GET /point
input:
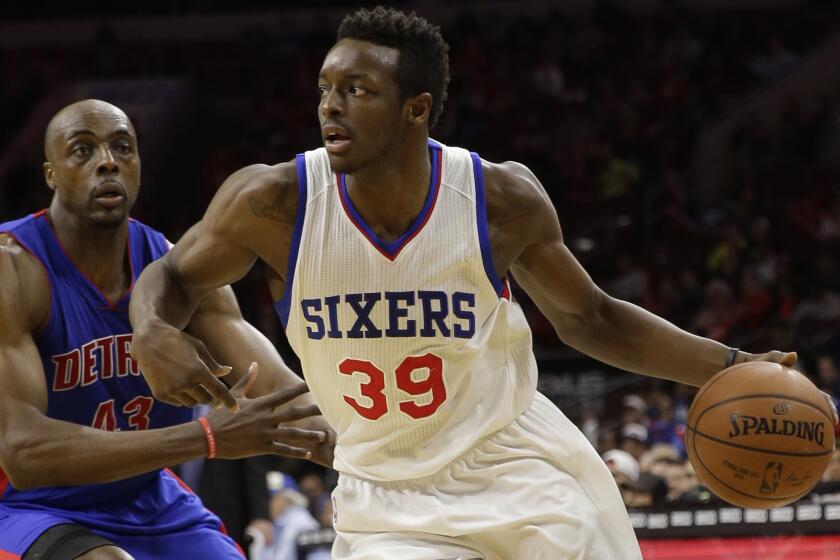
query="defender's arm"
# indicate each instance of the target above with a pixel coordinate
(36, 450)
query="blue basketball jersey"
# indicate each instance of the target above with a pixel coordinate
(90, 375)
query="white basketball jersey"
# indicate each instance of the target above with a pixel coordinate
(412, 349)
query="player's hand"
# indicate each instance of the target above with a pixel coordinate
(324, 454)
(179, 369)
(262, 425)
(786, 359)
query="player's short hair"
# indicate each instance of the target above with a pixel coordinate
(424, 55)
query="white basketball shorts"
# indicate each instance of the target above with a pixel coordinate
(535, 490)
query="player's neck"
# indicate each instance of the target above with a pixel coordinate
(390, 193)
(99, 253)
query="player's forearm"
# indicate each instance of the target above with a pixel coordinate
(58, 453)
(237, 343)
(275, 376)
(158, 296)
(628, 337)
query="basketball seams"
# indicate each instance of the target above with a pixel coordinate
(768, 396)
(718, 448)
(760, 450)
(708, 385)
(774, 502)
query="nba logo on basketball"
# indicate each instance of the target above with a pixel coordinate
(771, 478)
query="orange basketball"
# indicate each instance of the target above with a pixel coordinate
(759, 434)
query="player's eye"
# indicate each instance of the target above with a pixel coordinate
(81, 150)
(322, 90)
(356, 90)
(124, 148)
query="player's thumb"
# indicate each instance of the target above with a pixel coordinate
(789, 359)
(246, 382)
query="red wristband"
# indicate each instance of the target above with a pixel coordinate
(209, 436)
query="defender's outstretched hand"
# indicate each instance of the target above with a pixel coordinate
(261, 425)
(179, 369)
(786, 359)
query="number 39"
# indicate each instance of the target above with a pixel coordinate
(374, 387)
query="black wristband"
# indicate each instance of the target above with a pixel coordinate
(730, 357)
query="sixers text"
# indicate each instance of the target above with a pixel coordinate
(425, 313)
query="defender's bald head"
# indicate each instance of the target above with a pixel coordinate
(74, 118)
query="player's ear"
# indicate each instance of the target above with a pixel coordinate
(49, 175)
(418, 108)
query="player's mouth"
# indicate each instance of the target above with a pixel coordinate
(109, 194)
(336, 139)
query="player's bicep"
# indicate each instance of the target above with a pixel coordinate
(23, 390)
(22, 379)
(551, 275)
(204, 259)
(223, 246)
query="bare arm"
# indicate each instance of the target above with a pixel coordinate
(215, 252)
(38, 451)
(252, 216)
(218, 323)
(611, 330)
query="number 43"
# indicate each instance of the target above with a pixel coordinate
(374, 387)
(137, 410)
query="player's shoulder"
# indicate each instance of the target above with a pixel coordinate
(510, 179)
(24, 286)
(262, 191)
(513, 192)
(262, 182)
(258, 177)
(15, 257)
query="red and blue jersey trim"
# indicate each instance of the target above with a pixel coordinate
(4, 483)
(284, 304)
(392, 250)
(501, 286)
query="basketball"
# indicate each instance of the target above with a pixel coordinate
(759, 434)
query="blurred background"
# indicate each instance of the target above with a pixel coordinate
(692, 149)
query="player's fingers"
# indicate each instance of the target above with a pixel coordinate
(215, 367)
(299, 434)
(217, 390)
(788, 359)
(246, 381)
(292, 413)
(186, 399)
(281, 397)
(198, 394)
(173, 399)
(289, 451)
(212, 400)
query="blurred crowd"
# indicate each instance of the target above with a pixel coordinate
(606, 112)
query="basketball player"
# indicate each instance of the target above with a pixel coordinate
(388, 255)
(66, 273)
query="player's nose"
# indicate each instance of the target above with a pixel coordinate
(107, 163)
(331, 104)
